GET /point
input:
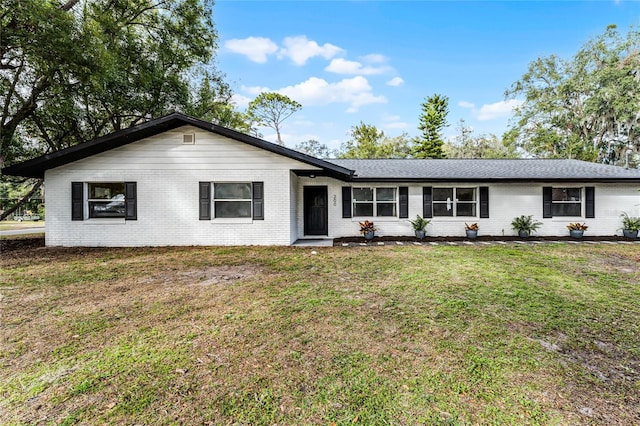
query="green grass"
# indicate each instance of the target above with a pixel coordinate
(545, 334)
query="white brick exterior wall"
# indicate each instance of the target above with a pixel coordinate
(506, 201)
(167, 173)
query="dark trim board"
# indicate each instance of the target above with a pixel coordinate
(356, 179)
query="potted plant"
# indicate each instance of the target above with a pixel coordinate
(419, 224)
(630, 226)
(576, 230)
(367, 229)
(525, 225)
(471, 230)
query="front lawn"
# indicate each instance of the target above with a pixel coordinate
(544, 334)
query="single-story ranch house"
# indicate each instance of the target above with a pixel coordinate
(177, 180)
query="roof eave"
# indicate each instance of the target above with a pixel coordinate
(356, 178)
(36, 167)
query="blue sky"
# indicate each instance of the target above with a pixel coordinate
(376, 62)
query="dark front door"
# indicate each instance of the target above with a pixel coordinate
(316, 210)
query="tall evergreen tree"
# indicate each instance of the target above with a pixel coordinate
(432, 121)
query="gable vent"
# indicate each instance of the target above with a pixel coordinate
(189, 139)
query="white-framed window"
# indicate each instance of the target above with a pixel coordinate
(375, 202)
(232, 200)
(106, 199)
(455, 202)
(566, 201)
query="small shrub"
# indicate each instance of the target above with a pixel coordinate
(471, 227)
(366, 227)
(419, 223)
(577, 227)
(630, 223)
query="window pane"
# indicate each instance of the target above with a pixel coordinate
(363, 194)
(440, 209)
(106, 191)
(466, 209)
(441, 194)
(466, 194)
(232, 191)
(385, 194)
(363, 209)
(565, 194)
(566, 209)
(224, 209)
(386, 209)
(106, 208)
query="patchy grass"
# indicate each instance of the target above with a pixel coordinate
(391, 335)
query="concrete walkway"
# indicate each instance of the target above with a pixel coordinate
(329, 243)
(23, 231)
(485, 243)
(314, 243)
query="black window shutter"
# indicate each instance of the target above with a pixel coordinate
(484, 201)
(130, 201)
(590, 199)
(404, 201)
(546, 202)
(426, 201)
(77, 201)
(258, 200)
(346, 201)
(205, 200)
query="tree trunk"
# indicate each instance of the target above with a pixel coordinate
(66, 7)
(23, 200)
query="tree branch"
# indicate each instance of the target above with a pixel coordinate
(68, 5)
(21, 201)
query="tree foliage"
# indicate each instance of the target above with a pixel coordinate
(366, 141)
(271, 109)
(433, 120)
(314, 148)
(586, 107)
(76, 71)
(468, 145)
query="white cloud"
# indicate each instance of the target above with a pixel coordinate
(492, 111)
(343, 66)
(396, 125)
(255, 48)
(355, 92)
(240, 100)
(393, 122)
(497, 110)
(254, 90)
(374, 58)
(316, 91)
(300, 49)
(395, 82)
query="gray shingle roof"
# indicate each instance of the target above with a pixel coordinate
(486, 170)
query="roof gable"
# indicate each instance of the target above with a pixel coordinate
(36, 167)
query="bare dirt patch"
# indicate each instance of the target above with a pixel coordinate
(224, 274)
